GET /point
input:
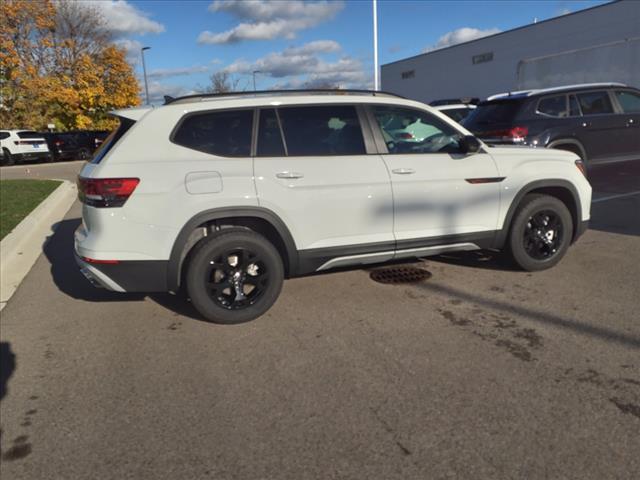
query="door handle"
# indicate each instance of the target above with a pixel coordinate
(403, 171)
(289, 175)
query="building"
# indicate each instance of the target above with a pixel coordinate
(599, 44)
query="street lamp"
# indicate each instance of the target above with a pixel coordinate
(144, 70)
(254, 78)
(376, 73)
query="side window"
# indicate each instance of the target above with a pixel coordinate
(4, 135)
(574, 108)
(414, 131)
(553, 106)
(322, 130)
(629, 101)
(594, 103)
(223, 133)
(269, 135)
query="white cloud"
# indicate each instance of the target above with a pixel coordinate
(176, 72)
(123, 18)
(461, 35)
(158, 90)
(131, 48)
(564, 11)
(266, 20)
(302, 66)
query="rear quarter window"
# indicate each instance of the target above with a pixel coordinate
(222, 133)
(555, 106)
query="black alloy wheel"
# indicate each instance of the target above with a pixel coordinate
(234, 275)
(540, 233)
(236, 278)
(543, 235)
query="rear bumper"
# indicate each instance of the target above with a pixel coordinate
(32, 156)
(121, 275)
(126, 276)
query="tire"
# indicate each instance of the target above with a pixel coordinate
(7, 158)
(534, 245)
(211, 274)
(84, 154)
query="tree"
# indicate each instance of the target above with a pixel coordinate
(58, 65)
(222, 82)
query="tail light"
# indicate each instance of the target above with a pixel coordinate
(106, 192)
(514, 134)
(581, 167)
(58, 143)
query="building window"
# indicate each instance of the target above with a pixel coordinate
(482, 58)
(408, 74)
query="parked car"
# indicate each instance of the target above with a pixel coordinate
(21, 146)
(226, 195)
(457, 111)
(599, 122)
(74, 145)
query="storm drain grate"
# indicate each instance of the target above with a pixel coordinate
(400, 275)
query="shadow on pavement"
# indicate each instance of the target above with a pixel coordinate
(537, 316)
(67, 277)
(483, 259)
(7, 366)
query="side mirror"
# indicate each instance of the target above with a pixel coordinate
(470, 144)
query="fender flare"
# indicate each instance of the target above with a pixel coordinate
(176, 258)
(570, 141)
(501, 235)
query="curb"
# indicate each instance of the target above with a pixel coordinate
(20, 249)
(30, 165)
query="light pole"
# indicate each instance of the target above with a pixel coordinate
(254, 78)
(144, 70)
(376, 79)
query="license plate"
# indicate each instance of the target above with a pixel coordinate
(35, 145)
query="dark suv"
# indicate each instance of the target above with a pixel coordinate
(599, 122)
(78, 145)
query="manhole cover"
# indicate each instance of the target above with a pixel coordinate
(400, 275)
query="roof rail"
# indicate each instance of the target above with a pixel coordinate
(529, 93)
(204, 96)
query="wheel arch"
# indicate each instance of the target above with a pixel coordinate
(561, 189)
(569, 141)
(258, 219)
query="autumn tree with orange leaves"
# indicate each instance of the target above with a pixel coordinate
(58, 64)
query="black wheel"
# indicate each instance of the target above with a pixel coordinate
(84, 154)
(541, 232)
(234, 276)
(7, 158)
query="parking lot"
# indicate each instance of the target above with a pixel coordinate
(480, 371)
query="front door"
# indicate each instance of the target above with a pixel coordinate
(441, 196)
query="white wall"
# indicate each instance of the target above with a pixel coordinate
(450, 72)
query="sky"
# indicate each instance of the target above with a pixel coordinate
(298, 44)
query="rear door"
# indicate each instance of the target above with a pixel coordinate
(318, 170)
(601, 130)
(629, 106)
(441, 196)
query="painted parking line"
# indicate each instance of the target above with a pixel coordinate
(614, 197)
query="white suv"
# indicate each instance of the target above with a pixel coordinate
(228, 194)
(22, 145)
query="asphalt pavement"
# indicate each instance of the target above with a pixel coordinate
(480, 371)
